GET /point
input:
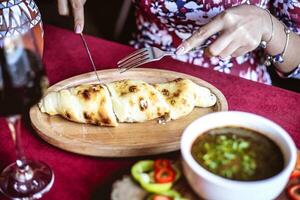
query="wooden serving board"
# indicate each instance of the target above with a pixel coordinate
(128, 139)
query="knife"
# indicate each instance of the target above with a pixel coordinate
(90, 56)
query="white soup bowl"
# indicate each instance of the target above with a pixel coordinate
(211, 186)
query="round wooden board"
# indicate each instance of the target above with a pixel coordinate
(128, 139)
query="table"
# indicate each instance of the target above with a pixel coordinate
(83, 177)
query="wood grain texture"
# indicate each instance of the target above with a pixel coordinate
(128, 139)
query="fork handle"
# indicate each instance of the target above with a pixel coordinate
(200, 47)
(169, 53)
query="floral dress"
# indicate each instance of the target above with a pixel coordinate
(165, 23)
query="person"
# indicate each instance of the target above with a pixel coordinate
(66, 7)
(243, 36)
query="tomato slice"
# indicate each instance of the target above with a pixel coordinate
(161, 197)
(161, 163)
(295, 174)
(164, 175)
(294, 192)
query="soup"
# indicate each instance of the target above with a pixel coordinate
(238, 153)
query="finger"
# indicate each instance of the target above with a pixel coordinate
(200, 36)
(240, 51)
(78, 12)
(220, 44)
(228, 51)
(63, 7)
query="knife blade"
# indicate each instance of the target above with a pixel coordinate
(90, 56)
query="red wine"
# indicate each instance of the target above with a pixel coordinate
(22, 80)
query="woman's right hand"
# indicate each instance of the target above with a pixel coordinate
(241, 29)
(77, 11)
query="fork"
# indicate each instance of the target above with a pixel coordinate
(143, 56)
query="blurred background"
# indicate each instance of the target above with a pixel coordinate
(114, 20)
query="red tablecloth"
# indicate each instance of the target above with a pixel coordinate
(83, 177)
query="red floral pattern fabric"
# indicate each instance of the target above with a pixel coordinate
(165, 23)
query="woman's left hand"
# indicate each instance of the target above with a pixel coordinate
(241, 28)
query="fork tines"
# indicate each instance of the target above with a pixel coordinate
(134, 59)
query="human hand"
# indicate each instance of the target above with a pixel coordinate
(241, 28)
(77, 11)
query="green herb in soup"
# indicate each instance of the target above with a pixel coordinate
(238, 153)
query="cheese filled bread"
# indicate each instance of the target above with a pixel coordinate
(127, 101)
(182, 95)
(84, 104)
(136, 101)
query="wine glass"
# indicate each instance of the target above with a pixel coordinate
(22, 82)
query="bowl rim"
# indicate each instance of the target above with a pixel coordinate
(204, 173)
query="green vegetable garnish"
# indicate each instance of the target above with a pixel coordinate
(227, 155)
(237, 153)
(142, 172)
(229, 150)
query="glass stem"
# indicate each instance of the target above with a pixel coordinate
(14, 123)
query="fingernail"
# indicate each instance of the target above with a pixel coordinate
(78, 29)
(180, 50)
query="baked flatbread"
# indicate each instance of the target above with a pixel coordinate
(127, 101)
(136, 101)
(183, 95)
(85, 103)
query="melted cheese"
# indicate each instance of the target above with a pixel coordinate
(136, 101)
(183, 95)
(84, 103)
(127, 101)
